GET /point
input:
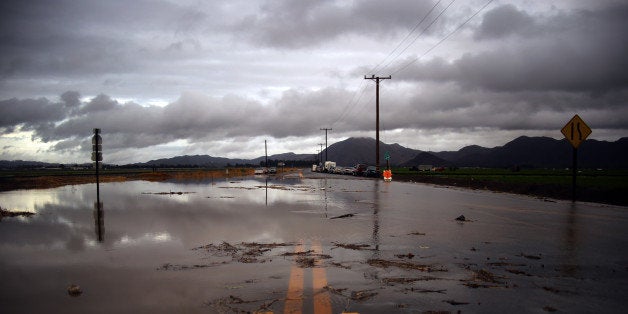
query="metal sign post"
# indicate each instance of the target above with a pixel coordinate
(97, 152)
(575, 131)
(98, 206)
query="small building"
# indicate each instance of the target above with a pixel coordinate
(425, 167)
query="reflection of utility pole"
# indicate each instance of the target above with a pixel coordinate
(326, 129)
(376, 79)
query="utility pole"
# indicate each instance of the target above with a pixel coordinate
(321, 144)
(376, 79)
(326, 129)
(265, 154)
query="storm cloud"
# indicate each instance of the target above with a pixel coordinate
(163, 78)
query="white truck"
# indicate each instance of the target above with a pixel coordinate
(329, 166)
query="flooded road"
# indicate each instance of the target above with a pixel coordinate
(323, 244)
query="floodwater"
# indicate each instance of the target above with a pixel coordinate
(323, 244)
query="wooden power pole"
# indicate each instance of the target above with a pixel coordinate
(326, 129)
(377, 79)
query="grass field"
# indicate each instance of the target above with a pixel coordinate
(605, 186)
(585, 178)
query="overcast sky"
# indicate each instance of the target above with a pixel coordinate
(166, 78)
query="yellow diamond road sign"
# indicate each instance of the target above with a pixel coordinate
(576, 131)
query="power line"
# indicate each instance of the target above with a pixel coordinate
(373, 70)
(423, 32)
(403, 67)
(351, 103)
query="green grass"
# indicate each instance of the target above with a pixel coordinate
(604, 179)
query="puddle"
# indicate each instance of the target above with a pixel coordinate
(268, 245)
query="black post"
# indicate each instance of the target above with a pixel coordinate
(574, 174)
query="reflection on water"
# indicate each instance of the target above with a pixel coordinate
(570, 265)
(99, 221)
(149, 224)
(376, 206)
(136, 211)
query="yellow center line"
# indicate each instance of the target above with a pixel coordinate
(294, 298)
(322, 303)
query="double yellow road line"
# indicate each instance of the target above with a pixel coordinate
(295, 295)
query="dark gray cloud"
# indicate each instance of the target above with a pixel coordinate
(503, 21)
(162, 78)
(580, 52)
(29, 112)
(300, 24)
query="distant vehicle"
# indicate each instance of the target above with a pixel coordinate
(371, 171)
(359, 169)
(272, 170)
(338, 170)
(329, 166)
(259, 171)
(348, 170)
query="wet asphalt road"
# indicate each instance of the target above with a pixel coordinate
(317, 243)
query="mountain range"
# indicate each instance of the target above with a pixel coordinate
(525, 152)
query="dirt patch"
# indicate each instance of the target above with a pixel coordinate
(530, 256)
(168, 266)
(234, 304)
(360, 295)
(7, 213)
(484, 279)
(357, 247)
(343, 216)
(407, 280)
(245, 252)
(405, 265)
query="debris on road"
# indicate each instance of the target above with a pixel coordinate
(408, 256)
(168, 193)
(357, 247)
(452, 302)
(354, 295)
(484, 279)
(228, 304)
(461, 218)
(343, 216)
(406, 280)
(529, 256)
(404, 265)
(7, 213)
(74, 290)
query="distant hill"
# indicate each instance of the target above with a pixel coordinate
(16, 164)
(285, 156)
(219, 162)
(194, 160)
(427, 159)
(525, 152)
(356, 150)
(541, 152)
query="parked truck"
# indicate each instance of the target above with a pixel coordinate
(329, 166)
